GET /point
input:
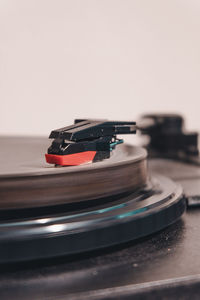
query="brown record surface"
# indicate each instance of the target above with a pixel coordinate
(26, 180)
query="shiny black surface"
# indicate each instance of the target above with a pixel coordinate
(128, 218)
(172, 253)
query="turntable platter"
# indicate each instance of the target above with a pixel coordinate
(50, 211)
(27, 181)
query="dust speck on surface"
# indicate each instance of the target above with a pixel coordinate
(135, 265)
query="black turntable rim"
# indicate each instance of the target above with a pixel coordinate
(55, 236)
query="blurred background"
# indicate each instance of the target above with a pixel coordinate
(115, 59)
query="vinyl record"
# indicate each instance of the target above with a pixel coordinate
(48, 212)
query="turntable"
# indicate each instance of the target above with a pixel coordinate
(98, 219)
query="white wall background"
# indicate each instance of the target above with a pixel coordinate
(61, 59)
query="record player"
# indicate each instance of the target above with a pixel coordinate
(101, 219)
